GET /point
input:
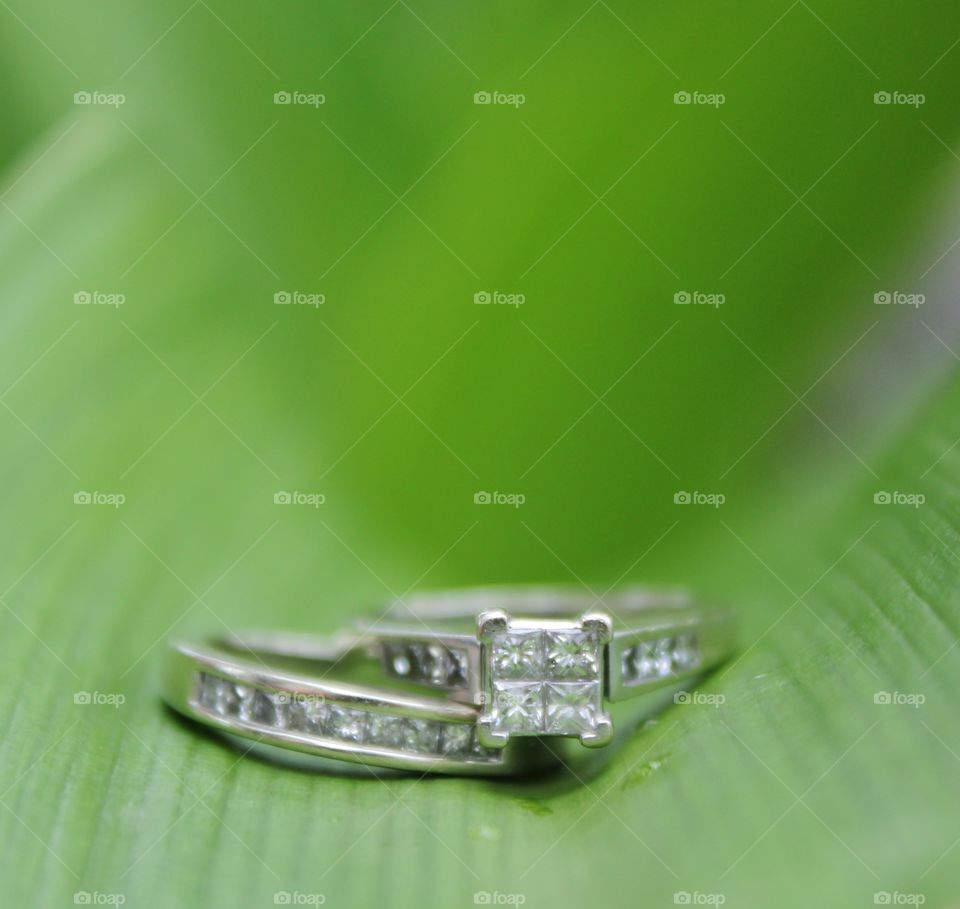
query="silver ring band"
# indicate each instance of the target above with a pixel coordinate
(242, 696)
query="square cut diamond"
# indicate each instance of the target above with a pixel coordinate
(345, 723)
(517, 655)
(385, 731)
(457, 740)
(571, 655)
(544, 681)
(518, 706)
(572, 706)
(421, 736)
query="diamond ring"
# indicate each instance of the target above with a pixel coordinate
(543, 661)
(531, 663)
(228, 686)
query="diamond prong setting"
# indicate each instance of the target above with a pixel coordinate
(600, 623)
(491, 622)
(488, 736)
(543, 678)
(600, 735)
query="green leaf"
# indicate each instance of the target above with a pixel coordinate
(398, 199)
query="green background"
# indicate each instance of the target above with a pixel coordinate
(398, 399)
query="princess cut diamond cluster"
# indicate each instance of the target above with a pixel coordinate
(543, 680)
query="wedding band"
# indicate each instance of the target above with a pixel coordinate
(224, 685)
(542, 661)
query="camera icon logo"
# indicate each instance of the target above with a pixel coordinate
(682, 98)
(482, 98)
(681, 498)
(881, 498)
(482, 297)
(81, 697)
(681, 297)
(82, 498)
(882, 98)
(282, 97)
(481, 498)
(82, 98)
(282, 498)
(82, 298)
(882, 298)
(282, 298)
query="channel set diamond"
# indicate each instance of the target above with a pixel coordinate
(429, 664)
(659, 659)
(312, 715)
